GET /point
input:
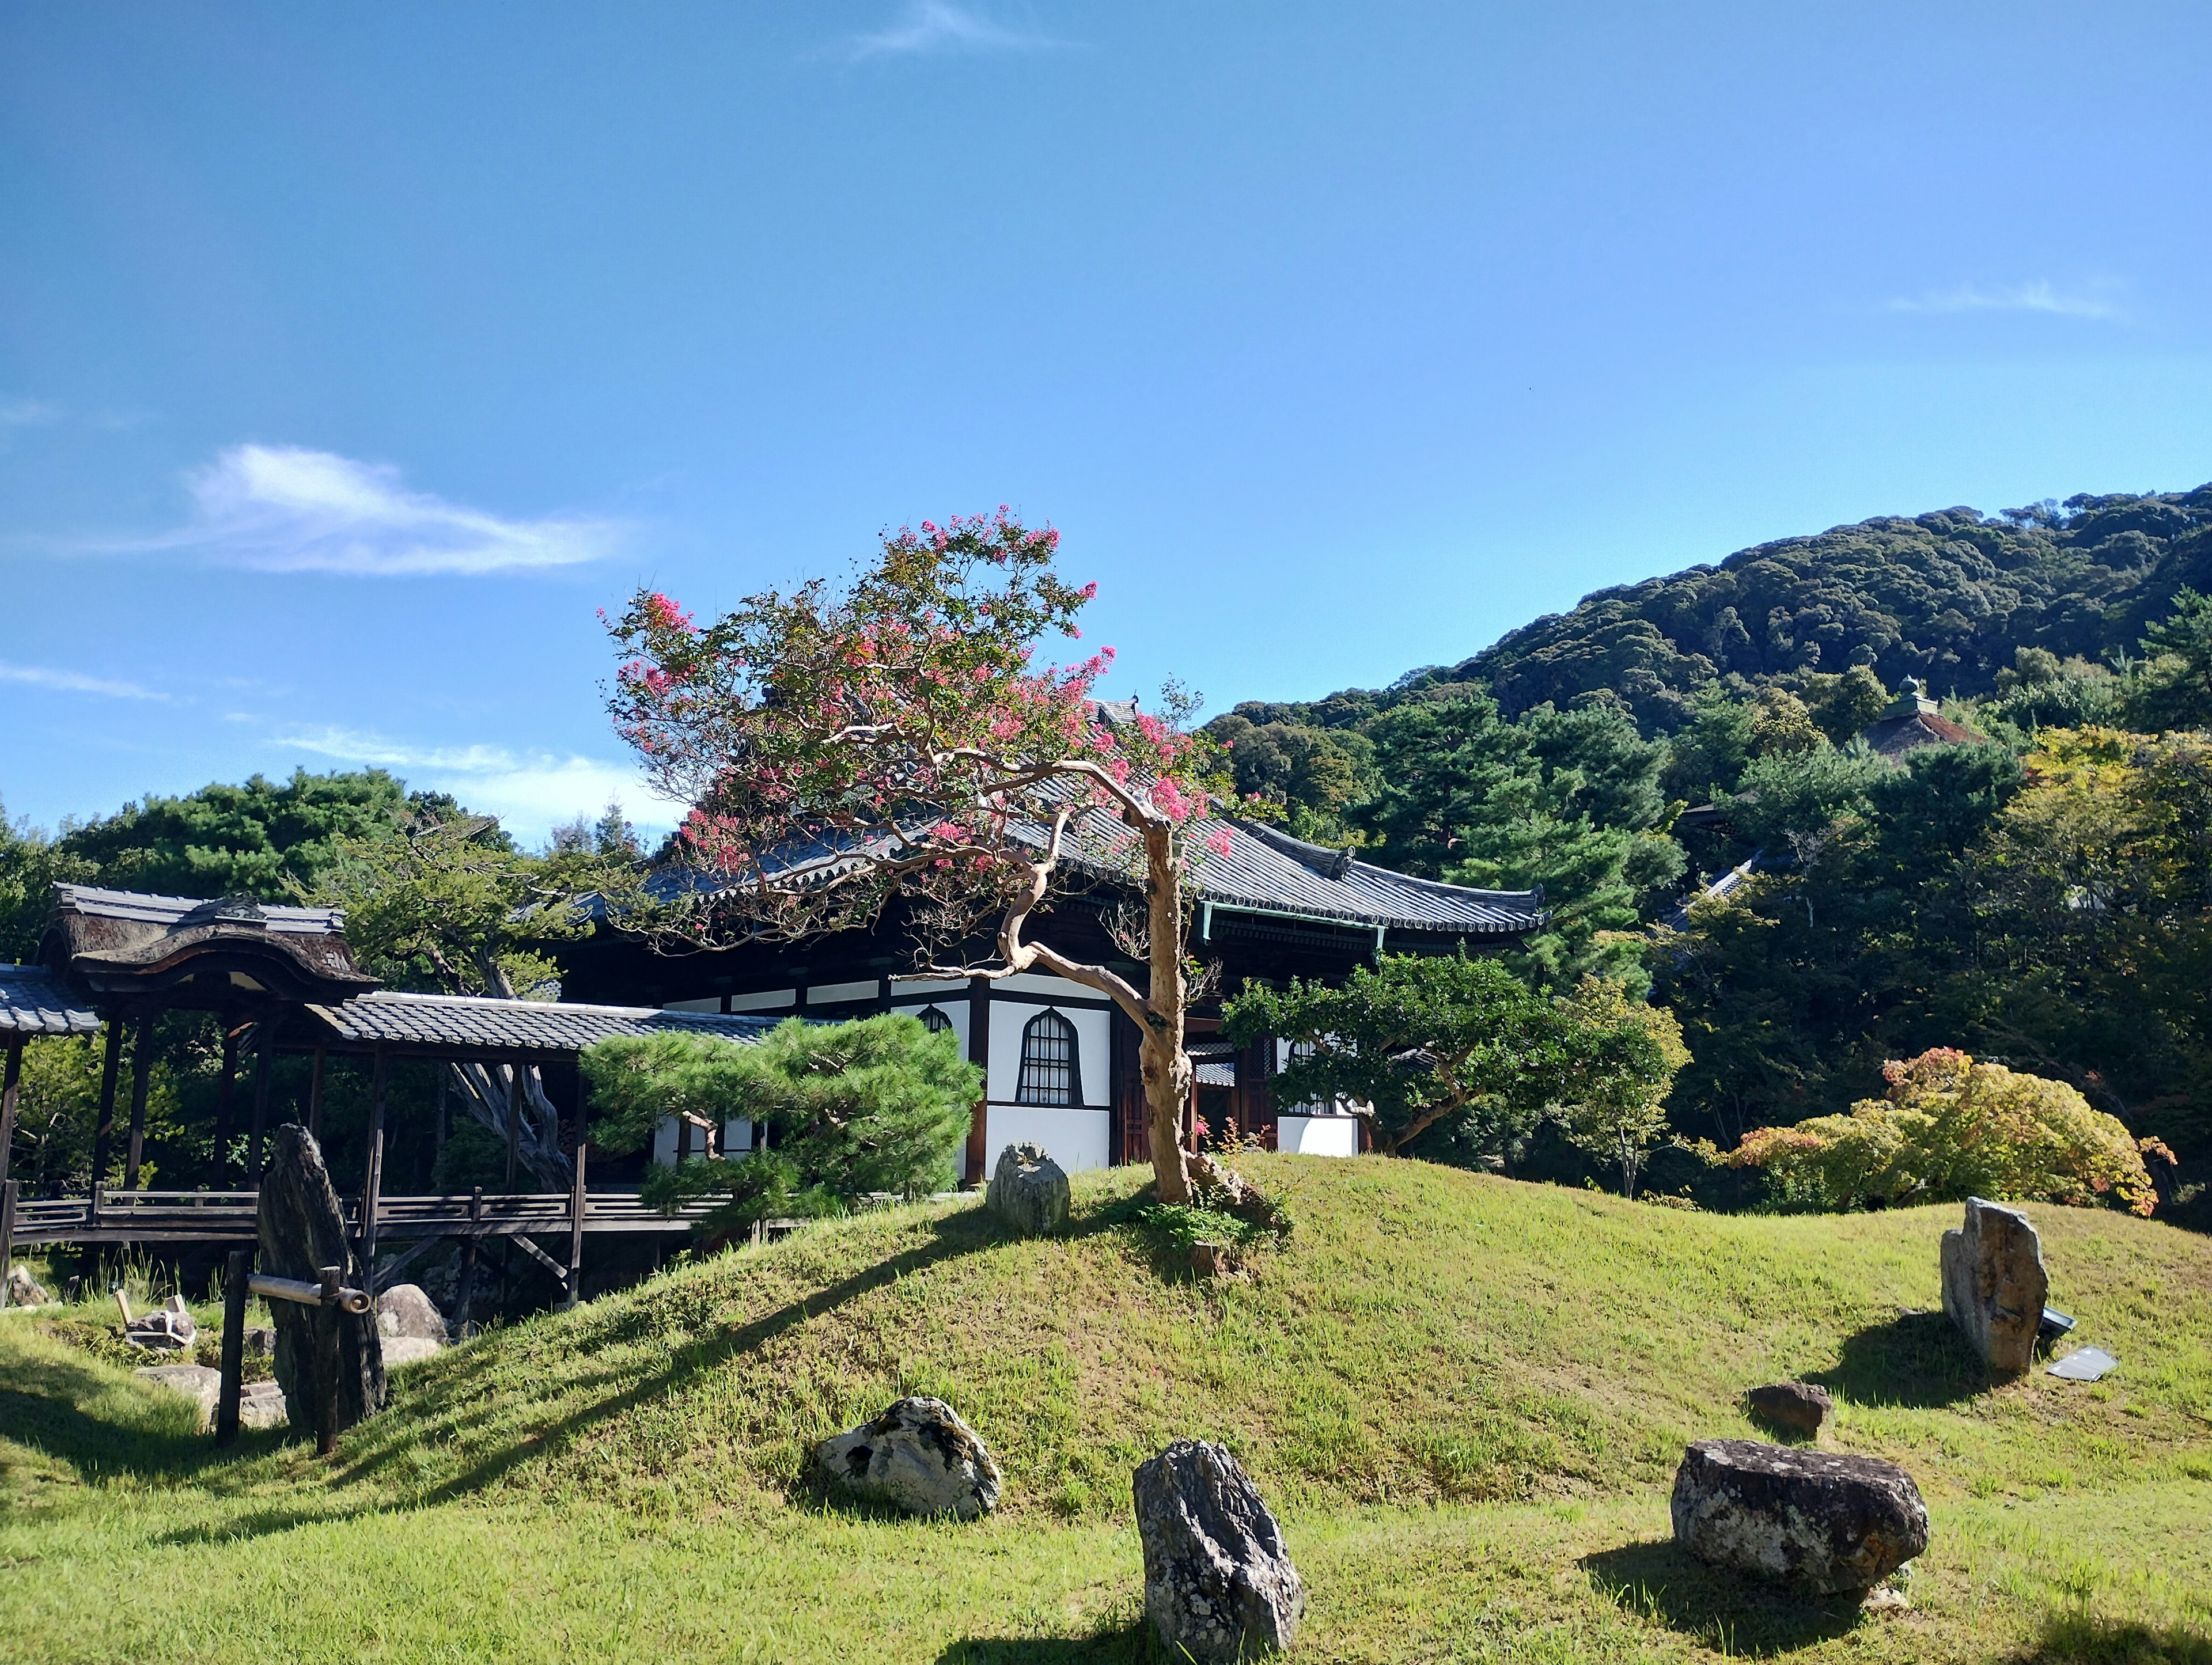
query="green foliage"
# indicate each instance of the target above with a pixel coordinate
(31, 865)
(880, 1104)
(2175, 687)
(261, 838)
(1952, 1128)
(1622, 1058)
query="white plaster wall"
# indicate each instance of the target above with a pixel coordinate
(768, 999)
(953, 1006)
(1076, 1139)
(664, 1141)
(1318, 1135)
(713, 1003)
(843, 993)
(1093, 1037)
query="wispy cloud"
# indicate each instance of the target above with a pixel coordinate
(283, 509)
(2034, 297)
(75, 682)
(29, 413)
(938, 25)
(531, 792)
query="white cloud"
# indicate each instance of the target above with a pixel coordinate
(75, 682)
(29, 413)
(2034, 297)
(283, 509)
(938, 25)
(531, 792)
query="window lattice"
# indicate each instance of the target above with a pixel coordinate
(1050, 1073)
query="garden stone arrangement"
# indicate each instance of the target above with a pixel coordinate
(330, 1363)
(1802, 1407)
(1995, 1284)
(408, 1324)
(1827, 1525)
(918, 1456)
(1028, 1190)
(1219, 1581)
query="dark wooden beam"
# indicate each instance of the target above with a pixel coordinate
(219, 1169)
(372, 1190)
(103, 1131)
(262, 1051)
(11, 1086)
(142, 1080)
(315, 1097)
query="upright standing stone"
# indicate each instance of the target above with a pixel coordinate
(1029, 1191)
(330, 1363)
(1219, 1581)
(1994, 1284)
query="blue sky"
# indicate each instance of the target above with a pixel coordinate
(352, 357)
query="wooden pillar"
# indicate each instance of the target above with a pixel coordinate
(264, 1048)
(11, 1086)
(238, 1269)
(578, 1201)
(371, 1193)
(103, 1130)
(6, 1227)
(514, 1122)
(315, 1098)
(978, 1054)
(442, 1129)
(219, 1170)
(469, 1250)
(142, 1081)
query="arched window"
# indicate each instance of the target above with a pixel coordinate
(1050, 1071)
(934, 1020)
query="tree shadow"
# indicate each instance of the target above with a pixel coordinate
(1730, 1613)
(1129, 1644)
(1918, 1360)
(2073, 1638)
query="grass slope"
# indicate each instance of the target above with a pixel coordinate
(1467, 1395)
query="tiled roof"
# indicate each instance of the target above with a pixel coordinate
(1893, 737)
(33, 1002)
(143, 908)
(1257, 869)
(530, 1026)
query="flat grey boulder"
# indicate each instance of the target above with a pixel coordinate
(261, 1405)
(919, 1456)
(1832, 1525)
(408, 1350)
(1219, 1581)
(197, 1382)
(1995, 1284)
(1029, 1191)
(404, 1310)
(1802, 1406)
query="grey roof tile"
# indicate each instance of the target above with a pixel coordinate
(33, 1002)
(530, 1026)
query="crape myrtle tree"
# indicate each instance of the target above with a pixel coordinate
(841, 748)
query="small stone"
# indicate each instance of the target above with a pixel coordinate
(1028, 1190)
(1219, 1581)
(404, 1309)
(24, 1290)
(1995, 1284)
(919, 1456)
(168, 1328)
(1801, 1405)
(1832, 1525)
(197, 1382)
(260, 1341)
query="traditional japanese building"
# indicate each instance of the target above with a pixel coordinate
(1060, 1059)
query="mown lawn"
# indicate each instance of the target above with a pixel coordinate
(1466, 1397)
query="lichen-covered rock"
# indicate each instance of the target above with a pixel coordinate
(1803, 1407)
(1028, 1190)
(919, 1456)
(197, 1382)
(1995, 1284)
(24, 1290)
(404, 1309)
(1832, 1525)
(1219, 1581)
(330, 1363)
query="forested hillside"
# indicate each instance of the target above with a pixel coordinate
(1948, 598)
(2038, 895)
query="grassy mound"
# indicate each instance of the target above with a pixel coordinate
(1467, 1395)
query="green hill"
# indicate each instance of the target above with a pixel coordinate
(1948, 598)
(1467, 1395)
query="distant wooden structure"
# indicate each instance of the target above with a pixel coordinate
(283, 980)
(32, 1005)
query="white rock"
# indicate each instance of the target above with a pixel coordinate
(408, 1350)
(404, 1310)
(197, 1382)
(919, 1456)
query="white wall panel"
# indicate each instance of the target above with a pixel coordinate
(1093, 1036)
(1318, 1135)
(1076, 1139)
(768, 1000)
(843, 993)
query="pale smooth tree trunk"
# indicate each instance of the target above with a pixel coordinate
(1162, 1061)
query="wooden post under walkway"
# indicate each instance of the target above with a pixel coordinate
(142, 1080)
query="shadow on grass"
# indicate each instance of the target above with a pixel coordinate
(1728, 1611)
(387, 1439)
(1918, 1360)
(2079, 1639)
(1121, 1644)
